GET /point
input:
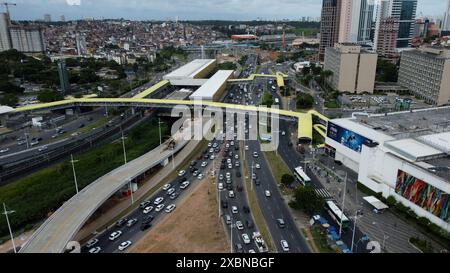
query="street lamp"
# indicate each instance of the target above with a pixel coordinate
(131, 191)
(384, 235)
(343, 205)
(160, 137)
(123, 145)
(231, 236)
(9, 226)
(354, 229)
(74, 173)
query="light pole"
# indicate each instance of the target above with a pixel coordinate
(9, 226)
(384, 235)
(131, 191)
(160, 137)
(354, 229)
(343, 205)
(74, 173)
(231, 236)
(123, 145)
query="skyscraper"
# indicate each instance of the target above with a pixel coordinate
(362, 17)
(63, 77)
(446, 22)
(47, 18)
(405, 12)
(329, 25)
(5, 38)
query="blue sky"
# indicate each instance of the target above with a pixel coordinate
(184, 9)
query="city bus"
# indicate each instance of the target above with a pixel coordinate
(336, 213)
(302, 177)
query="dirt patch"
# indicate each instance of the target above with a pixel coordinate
(193, 227)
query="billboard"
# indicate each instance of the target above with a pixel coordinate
(346, 137)
(423, 195)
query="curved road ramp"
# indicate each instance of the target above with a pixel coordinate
(55, 233)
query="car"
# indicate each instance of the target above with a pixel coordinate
(284, 245)
(116, 234)
(95, 250)
(211, 150)
(221, 177)
(251, 251)
(257, 166)
(283, 133)
(229, 161)
(132, 222)
(236, 156)
(158, 200)
(246, 209)
(20, 143)
(166, 187)
(246, 147)
(147, 209)
(182, 173)
(200, 176)
(159, 207)
(232, 143)
(249, 224)
(170, 191)
(92, 243)
(257, 182)
(254, 176)
(234, 210)
(170, 208)
(228, 219)
(173, 196)
(204, 164)
(212, 157)
(124, 245)
(4, 150)
(228, 175)
(196, 173)
(224, 204)
(229, 181)
(210, 145)
(230, 166)
(206, 156)
(193, 163)
(281, 223)
(220, 186)
(246, 238)
(237, 164)
(239, 225)
(231, 194)
(145, 226)
(267, 193)
(148, 219)
(229, 187)
(184, 185)
(145, 204)
(239, 248)
(255, 155)
(121, 222)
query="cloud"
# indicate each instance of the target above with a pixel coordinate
(185, 9)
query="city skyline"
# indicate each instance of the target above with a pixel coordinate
(196, 10)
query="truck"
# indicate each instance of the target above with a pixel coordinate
(259, 242)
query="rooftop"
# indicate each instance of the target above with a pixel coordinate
(209, 89)
(190, 70)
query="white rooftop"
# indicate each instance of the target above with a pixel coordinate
(189, 70)
(375, 203)
(412, 149)
(440, 141)
(209, 89)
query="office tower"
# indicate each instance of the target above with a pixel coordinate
(405, 12)
(353, 68)
(28, 39)
(425, 71)
(446, 22)
(5, 37)
(387, 38)
(329, 25)
(47, 18)
(362, 17)
(62, 18)
(63, 77)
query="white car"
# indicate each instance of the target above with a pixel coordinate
(115, 235)
(4, 150)
(228, 175)
(148, 209)
(236, 156)
(95, 250)
(166, 187)
(246, 238)
(268, 194)
(158, 200)
(283, 133)
(124, 245)
(212, 157)
(221, 177)
(170, 208)
(170, 191)
(200, 176)
(255, 154)
(230, 166)
(91, 243)
(204, 164)
(257, 166)
(159, 207)
(220, 186)
(251, 251)
(239, 225)
(246, 147)
(234, 210)
(284, 245)
(231, 194)
(181, 173)
(184, 185)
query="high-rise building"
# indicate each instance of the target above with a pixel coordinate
(62, 18)
(81, 44)
(63, 77)
(27, 38)
(387, 38)
(361, 21)
(425, 72)
(329, 25)
(5, 37)
(405, 12)
(47, 18)
(345, 21)
(353, 68)
(446, 22)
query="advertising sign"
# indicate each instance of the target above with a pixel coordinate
(346, 137)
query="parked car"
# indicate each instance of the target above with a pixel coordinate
(124, 245)
(116, 234)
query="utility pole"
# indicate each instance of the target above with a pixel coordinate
(160, 137)
(74, 173)
(123, 145)
(9, 226)
(343, 204)
(354, 230)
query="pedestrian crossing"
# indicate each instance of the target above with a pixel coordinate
(324, 193)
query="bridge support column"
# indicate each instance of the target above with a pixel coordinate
(165, 162)
(133, 111)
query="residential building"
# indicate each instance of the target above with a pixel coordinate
(329, 25)
(29, 39)
(353, 68)
(387, 38)
(426, 73)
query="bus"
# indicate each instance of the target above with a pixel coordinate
(336, 213)
(302, 177)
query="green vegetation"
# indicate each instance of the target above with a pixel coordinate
(35, 196)
(267, 99)
(320, 239)
(287, 179)
(386, 71)
(227, 66)
(302, 31)
(304, 101)
(331, 104)
(423, 245)
(243, 60)
(49, 95)
(277, 166)
(10, 100)
(306, 199)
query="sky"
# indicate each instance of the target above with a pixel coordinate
(184, 9)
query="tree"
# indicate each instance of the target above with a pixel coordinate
(306, 71)
(305, 101)
(324, 75)
(287, 179)
(316, 70)
(386, 71)
(10, 100)
(49, 96)
(267, 99)
(306, 199)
